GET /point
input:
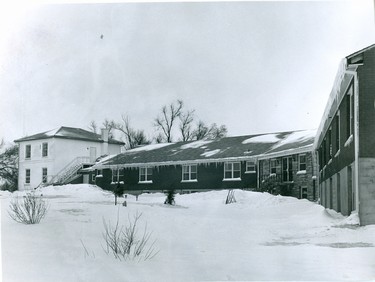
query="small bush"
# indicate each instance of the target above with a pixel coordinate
(230, 197)
(125, 243)
(170, 198)
(118, 192)
(30, 210)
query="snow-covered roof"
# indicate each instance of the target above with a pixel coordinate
(69, 133)
(247, 147)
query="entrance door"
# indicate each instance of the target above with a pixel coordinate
(92, 154)
(86, 178)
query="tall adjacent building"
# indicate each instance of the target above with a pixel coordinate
(56, 156)
(345, 141)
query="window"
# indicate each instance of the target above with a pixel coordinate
(232, 170)
(302, 162)
(303, 192)
(189, 172)
(44, 175)
(324, 152)
(273, 166)
(330, 143)
(250, 166)
(27, 176)
(349, 113)
(337, 123)
(116, 175)
(44, 149)
(320, 156)
(28, 152)
(99, 172)
(288, 169)
(145, 174)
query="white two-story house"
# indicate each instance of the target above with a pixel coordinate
(55, 157)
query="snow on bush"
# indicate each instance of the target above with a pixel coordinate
(30, 210)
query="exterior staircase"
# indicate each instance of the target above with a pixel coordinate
(69, 172)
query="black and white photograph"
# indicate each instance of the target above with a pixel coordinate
(187, 141)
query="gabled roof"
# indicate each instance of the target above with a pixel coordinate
(69, 133)
(207, 151)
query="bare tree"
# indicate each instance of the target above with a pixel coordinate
(159, 138)
(133, 137)
(167, 119)
(201, 132)
(186, 120)
(8, 167)
(218, 132)
(213, 132)
(109, 124)
(93, 127)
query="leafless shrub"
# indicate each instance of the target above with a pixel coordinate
(124, 242)
(86, 251)
(230, 197)
(30, 210)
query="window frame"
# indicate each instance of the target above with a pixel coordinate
(350, 112)
(273, 161)
(44, 175)
(287, 171)
(117, 176)
(330, 146)
(146, 174)
(232, 171)
(28, 151)
(189, 173)
(96, 174)
(302, 163)
(250, 167)
(27, 176)
(338, 133)
(45, 149)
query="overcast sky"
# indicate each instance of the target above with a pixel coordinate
(256, 67)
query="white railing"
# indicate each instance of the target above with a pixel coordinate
(69, 172)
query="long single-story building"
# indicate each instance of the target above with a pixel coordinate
(225, 163)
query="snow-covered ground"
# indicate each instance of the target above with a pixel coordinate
(260, 237)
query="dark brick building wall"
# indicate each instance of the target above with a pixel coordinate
(209, 177)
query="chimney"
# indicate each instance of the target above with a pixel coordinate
(105, 134)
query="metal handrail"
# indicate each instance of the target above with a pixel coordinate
(69, 170)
